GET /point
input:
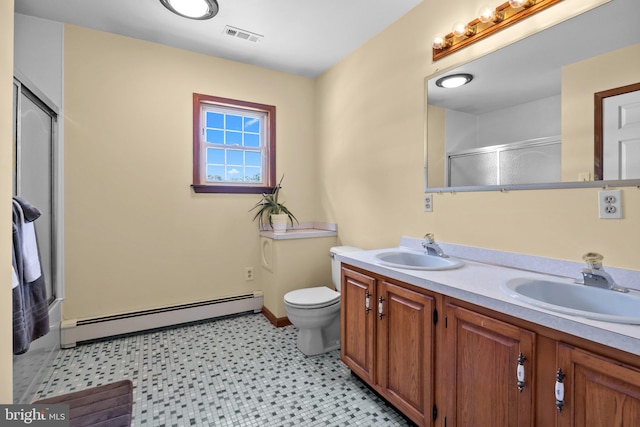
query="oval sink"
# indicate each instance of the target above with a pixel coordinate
(417, 261)
(577, 300)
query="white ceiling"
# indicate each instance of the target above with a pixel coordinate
(301, 37)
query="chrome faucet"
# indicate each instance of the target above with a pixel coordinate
(594, 274)
(432, 247)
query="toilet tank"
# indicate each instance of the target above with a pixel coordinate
(335, 264)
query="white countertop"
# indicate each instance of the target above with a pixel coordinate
(479, 283)
(304, 230)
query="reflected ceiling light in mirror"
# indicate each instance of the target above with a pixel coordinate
(192, 9)
(454, 80)
(489, 21)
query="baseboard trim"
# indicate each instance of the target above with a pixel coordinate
(74, 331)
(275, 321)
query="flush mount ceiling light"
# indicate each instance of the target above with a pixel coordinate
(192, 9)
(454, 80)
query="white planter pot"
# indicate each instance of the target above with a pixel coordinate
(279, 222)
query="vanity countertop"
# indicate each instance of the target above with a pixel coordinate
(479, 283)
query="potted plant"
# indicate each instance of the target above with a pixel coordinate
(270, 211)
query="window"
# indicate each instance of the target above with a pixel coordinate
(233, 145)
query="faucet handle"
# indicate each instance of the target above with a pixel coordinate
(430, 238)
(593, 260)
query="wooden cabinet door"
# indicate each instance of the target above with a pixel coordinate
(481, 362)
(406, 350)
(598, 391)
(357, 323)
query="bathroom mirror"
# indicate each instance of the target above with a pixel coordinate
(526, 119)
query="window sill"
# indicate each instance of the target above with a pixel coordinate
(230, 189)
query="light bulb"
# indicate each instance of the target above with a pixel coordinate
(459, 29)
(439, 41)
(521, 3)
(486, 14)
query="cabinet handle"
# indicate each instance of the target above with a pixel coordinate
(560, 389)
(520, 372)
(367, 307)
(380, 300)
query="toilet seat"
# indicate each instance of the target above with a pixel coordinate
(317, 297)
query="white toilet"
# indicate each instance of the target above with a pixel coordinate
(316, 311)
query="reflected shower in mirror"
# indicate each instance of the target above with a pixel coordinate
(527, 115)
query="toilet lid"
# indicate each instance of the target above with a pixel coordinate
(312, 297)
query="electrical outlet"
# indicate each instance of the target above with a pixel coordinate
(610, 204)
(428, 202)
(248, 274)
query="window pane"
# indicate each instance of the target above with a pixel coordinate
(251, 124)
(252, 158)
(234, 157)
(252, 174)
(215, 155)
(215, 173)
(234, 122)
(234, 138)
(215, 136)
(215, 120)
(251, 140)
(234, 173)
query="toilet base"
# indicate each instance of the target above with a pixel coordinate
(319, 340)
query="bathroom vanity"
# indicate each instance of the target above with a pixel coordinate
(448, 348)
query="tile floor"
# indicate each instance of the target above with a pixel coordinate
(236, 371)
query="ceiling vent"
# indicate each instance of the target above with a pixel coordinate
(242, 34)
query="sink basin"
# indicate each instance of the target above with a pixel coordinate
(577, 300)
(417, 261)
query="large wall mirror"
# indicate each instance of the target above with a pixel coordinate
(526, 119)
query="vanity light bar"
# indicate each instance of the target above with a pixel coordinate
(488, 22)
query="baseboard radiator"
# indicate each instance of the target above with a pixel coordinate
(79, 330)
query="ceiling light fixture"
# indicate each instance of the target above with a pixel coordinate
(454, 80)
(192, 9)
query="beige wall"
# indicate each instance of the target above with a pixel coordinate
(579, 82)
(137, 236)
(371, 139)
(6, 138)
